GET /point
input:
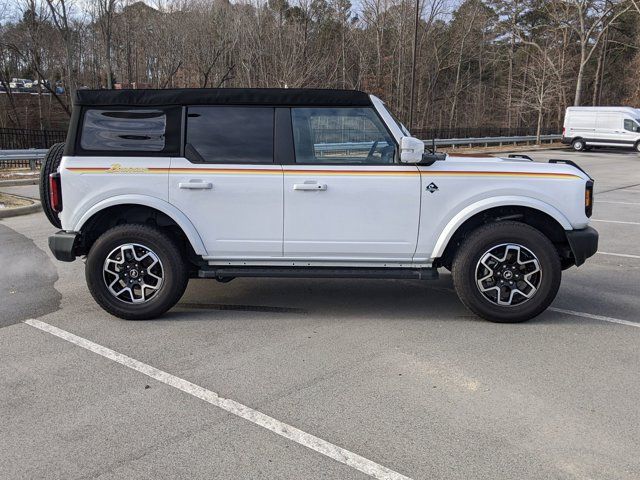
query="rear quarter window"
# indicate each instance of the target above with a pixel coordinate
(130, 131)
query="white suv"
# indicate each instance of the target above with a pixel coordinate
(157, 186)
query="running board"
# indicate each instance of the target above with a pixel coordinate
(320, 272)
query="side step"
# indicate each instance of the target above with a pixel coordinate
(320, 272)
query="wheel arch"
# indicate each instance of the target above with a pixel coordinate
(138, 209)
(533, 212)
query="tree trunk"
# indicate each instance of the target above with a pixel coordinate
(581, 66)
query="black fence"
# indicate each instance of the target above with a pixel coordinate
(479, 132)
(22, 138)
(33, 164)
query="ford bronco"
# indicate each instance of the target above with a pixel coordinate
(155, 187)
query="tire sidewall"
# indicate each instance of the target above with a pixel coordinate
(530, 238)
(578, 145)
(174, 281)
(50, 164)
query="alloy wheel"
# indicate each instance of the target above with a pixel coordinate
(508, 274)
(133, 273)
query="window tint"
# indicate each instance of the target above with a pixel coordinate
(401, 126)
(341, 135)
(231, 134)
(630, 125)
(140, 130)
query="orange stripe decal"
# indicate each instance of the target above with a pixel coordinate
(118, 169)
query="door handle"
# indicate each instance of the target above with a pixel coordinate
(195, 185)
(310, 186)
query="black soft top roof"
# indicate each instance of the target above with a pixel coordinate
(224, 96)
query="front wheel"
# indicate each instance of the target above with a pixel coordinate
(637, 146)
(136, 272)
(507, 272)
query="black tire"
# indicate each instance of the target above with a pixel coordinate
(175, 272)
(480, 242)
(50, 165)
(578, 145)
(637, 146)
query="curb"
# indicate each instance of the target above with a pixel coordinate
(36, 206)
(19, 182)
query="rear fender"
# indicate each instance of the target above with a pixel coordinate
(172, 212)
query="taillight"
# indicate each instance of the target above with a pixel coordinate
(55, 192)
(588, 198)
(563, 131)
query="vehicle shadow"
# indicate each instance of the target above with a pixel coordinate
(389, 300)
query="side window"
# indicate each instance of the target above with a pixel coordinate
(230, 134)
(134, 130)
(341, 135)
(630, 125)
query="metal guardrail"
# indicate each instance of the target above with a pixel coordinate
(33, 157)
(486, 141)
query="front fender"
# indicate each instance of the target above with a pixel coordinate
(488, 203)
(172, 212)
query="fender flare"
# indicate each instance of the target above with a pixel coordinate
(492, 202)
(152, 202)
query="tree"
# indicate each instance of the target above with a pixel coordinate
(589, 20)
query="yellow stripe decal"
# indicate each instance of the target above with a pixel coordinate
(262, 171)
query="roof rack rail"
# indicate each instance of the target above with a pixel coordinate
(572, 163)
(520, 155)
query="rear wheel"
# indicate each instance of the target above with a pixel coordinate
(136, 272)
(50, 165)
(507, 272)
(578, 145)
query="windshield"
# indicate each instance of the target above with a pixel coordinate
(404, 129)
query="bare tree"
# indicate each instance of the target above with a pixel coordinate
(106, 12)
(589, 20)
(61, 12)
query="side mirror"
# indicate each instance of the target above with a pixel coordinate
(411, 150)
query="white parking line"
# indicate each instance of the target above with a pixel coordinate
(330, 450)
(625, 255)
(595, 317)
(615, 221)
(618, 203)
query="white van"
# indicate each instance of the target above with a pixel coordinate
(586, 127)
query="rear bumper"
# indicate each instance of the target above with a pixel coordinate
(62, 244)
(583, 243)
(565, 141)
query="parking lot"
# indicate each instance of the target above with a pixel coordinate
(302, 379)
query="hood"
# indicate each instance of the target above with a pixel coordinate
(520, 163)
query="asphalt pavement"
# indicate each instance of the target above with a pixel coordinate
(396, 373)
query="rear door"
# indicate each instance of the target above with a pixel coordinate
(580, 123)
(227, 183)
(609, 128)
(346, 197)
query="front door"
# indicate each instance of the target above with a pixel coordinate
(346, 197)
(227, 183)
